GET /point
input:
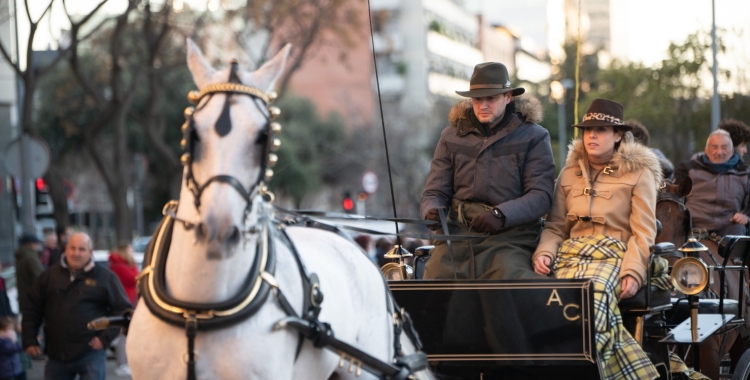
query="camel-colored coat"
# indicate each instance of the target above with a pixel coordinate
(620, 203)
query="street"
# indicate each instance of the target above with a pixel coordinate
(37, 370)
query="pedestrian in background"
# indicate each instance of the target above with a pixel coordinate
(641, 135)
(10, 347)
(739, 132)
(50, 244)
(28, 266)
(63, 235)
(364, 242)
(65, 298)
(122, 263)
(382, 246)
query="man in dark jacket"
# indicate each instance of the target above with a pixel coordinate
(719, 200)
(65, 298)
(493, 174)
(28, 266)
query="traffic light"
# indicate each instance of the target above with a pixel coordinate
(41, 192)
(348, 201)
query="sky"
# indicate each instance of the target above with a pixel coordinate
(641, 29)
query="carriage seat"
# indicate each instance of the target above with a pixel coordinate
(681, 309)
(650, 299)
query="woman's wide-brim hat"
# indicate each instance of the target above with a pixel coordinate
(490, 79)
(604, 113)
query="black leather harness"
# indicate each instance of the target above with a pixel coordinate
(260, 280)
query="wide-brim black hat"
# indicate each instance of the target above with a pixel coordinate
(490, 79)
(604, 113)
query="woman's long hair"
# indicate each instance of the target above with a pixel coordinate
(124, 250)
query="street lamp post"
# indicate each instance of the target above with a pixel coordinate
(715, 108)
(558, 93)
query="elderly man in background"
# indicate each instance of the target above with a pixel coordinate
(65, 298)
(719, 201)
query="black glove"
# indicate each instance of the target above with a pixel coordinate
(435, 216)
(487, 222)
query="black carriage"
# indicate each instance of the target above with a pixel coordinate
(545, 329)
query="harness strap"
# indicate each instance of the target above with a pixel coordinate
(322, 334)
(191, 327)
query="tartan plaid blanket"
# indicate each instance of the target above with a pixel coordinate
(600, 258)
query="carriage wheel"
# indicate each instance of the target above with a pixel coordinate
(742, 370)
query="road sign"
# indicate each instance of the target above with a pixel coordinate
(370, 182)
(38, 153)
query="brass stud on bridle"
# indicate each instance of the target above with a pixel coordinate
(276, 144)
(272, 159)
(274, 111)
(189, 112)
(193, 96)
(275, 127)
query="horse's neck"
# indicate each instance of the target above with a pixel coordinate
(191, 275)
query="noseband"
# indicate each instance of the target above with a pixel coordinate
(222, 127)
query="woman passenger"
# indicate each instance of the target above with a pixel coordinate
(601, 225)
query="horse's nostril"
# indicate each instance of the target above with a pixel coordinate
(201, 232)
(232, 237)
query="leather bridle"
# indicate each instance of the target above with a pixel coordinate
(222, 127)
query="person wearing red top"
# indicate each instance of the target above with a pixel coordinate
(121, 262)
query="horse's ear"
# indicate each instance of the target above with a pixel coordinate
(266, 76)
(686, 187)
(198, 65)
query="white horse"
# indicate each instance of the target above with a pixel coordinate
(209, 262)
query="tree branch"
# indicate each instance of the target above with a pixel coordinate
(10, 61)
(43, 13)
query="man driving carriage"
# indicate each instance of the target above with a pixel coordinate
(719, 200)
(493, 173)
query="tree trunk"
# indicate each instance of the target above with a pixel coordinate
(54, 181)
(124, 226)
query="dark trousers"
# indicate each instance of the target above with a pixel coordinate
(732, 229)
(504, 256)
(90, 366)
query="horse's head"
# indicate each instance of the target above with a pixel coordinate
(672, 212)
(227, 145)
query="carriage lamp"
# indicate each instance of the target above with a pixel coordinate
(397, 270)
(690, 276)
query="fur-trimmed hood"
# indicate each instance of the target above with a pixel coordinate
(629, 157)
(527, 107)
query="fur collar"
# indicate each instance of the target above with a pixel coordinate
(527, 107)
(630, 157)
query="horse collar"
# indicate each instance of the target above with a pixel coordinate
(252, 294)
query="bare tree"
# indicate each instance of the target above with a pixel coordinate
(29, 76)
(130, 60)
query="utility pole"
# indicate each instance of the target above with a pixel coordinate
(715, 106)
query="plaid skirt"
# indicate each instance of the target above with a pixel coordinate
(600, 258)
